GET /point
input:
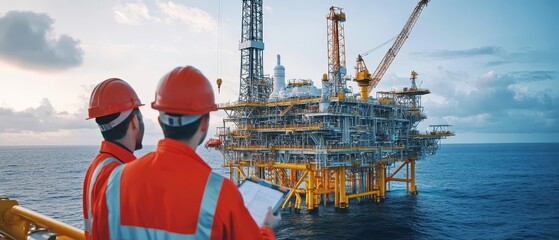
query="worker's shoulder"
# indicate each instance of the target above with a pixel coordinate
(230, 193)
(142, 159)
(227, 183)
(99, 159)
(229, 187)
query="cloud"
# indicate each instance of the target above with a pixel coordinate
(500, 103)
(496, 63)
(27, 39)
(496, 55)
(268, 8)
(132, 13)
(197, 19)
(535, 75)
(43, 118)
(45, 125)
(472, 52)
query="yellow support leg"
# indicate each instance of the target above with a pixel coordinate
(336, 188)
(382, 180)
(343, 198)
(297, 202)
(318, 185)
(353, 178)
(370, 180)
(375, 180)
(328, 180)
(310, 191)
(238, 174)
(407, 176)
(412, 177)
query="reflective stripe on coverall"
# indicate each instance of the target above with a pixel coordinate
(205, 216)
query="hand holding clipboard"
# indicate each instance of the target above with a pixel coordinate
(259, 195)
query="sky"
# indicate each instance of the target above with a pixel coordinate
(492, 66)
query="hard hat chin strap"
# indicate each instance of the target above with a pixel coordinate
(177, 121)
(112, 124)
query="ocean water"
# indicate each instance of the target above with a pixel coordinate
(466, 191)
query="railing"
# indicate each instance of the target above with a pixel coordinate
(286, 128)
(309, 148)
(285, 102)
(432, 134)
(19, 223)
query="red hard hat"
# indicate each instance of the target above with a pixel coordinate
(112, 96)
(184, 91)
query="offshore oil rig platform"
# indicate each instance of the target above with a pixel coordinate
(325, 144)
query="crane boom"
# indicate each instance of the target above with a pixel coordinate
(391, 54)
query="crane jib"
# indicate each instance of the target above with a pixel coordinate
(393, 51)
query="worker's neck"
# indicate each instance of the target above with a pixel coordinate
(192, 143)
(125, 144)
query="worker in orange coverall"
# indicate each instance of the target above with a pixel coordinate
(172, 193)
(114, 105)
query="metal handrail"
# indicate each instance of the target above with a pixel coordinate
(16, 222)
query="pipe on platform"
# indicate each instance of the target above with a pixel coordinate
(291, 166)
(363, 194)
(398, 180)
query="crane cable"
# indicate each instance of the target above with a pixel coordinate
(379, 46)
(219, 47)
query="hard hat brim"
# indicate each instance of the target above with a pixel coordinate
(177, 121)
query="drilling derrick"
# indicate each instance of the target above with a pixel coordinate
(336, 50)
(327, 145)
(254, 87)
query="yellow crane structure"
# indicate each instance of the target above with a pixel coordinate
(366, 81)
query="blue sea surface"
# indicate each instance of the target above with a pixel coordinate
(466, 191)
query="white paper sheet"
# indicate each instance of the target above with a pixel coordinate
(258, 198)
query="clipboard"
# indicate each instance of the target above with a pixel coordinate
(258, 195)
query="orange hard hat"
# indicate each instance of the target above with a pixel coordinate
(184, 91)
(112, 96)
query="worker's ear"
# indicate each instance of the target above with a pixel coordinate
(135, 122)
(205, 123)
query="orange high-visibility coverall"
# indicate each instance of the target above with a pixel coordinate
(165, 195)
(95, 183)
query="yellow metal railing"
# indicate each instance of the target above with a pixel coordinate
(432, 134)
(292, 101)
(286, 128)
(16, 222)
(285, 102)
(311, 148)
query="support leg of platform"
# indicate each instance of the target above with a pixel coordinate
(413, 187)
